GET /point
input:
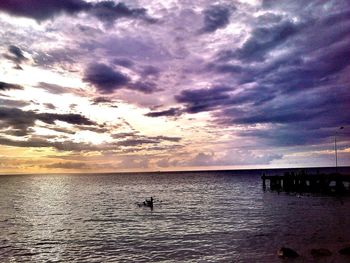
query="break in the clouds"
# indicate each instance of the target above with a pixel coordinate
(166, 85)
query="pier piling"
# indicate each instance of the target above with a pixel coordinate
(309, 183)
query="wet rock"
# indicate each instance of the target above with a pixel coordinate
(320, 252)
(345, 251)
(286, 252)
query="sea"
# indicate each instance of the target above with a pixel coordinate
(203, 216)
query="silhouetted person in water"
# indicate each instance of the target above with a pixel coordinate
(149, 203)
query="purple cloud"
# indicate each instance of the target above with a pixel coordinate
(106, 11)
(215, 17)
(105, 78)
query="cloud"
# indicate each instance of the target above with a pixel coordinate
(101, 100)
(199, 100)
(42, 10)
(304, 107)
(137, 140)
(269, 18)
(50, 106)
(263, 40)
(109, 11)
(105, 78)
(172, 112)
(62, 57)
(8, 86)
(123, 62)
(13, 103)
(289, 76)
(145, 87)
(276, 77)
(167, 138)
(22, 121)
(68, 165)
(133, 161)
(150, 71)
(230, 158)
(167, 162)
(54, 88)
(215, 17)
(70, 118)
(16, 55)
(106, 11)
(44, 143)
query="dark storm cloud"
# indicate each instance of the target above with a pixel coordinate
(285, 136)
(109, 11)
(106, 11)
(105, 78)
(167, 138)
(16, 55)
(123, 62)
(269, 18)
(150, 71)
(138, 140)
(172, 112)
(203, 99)
(215, 17)
(22, 121)
(263, 40)
(8, 86)
(305, 118)
(96, 129)
(219, 98)
(43, 142)
(145, 87)
(42, 10)
(35, 143)
(297, 73)
(70, 118)
(300, 7)
(310, 74)
(225, 68)
(102, 100)
(326, 101)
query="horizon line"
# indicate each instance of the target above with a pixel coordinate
(179, 171)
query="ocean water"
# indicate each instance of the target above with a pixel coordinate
(198, 217)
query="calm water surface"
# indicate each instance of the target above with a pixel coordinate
(203, 217)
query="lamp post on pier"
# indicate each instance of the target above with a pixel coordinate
(335, 149)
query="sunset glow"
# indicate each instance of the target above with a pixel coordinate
(104, 86)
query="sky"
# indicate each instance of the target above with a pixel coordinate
(104, 86)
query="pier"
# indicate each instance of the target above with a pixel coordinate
(302, 182)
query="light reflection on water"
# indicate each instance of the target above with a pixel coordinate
(203, 217)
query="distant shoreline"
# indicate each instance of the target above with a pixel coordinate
(255, 170)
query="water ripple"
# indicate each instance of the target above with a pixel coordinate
(203, 217)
